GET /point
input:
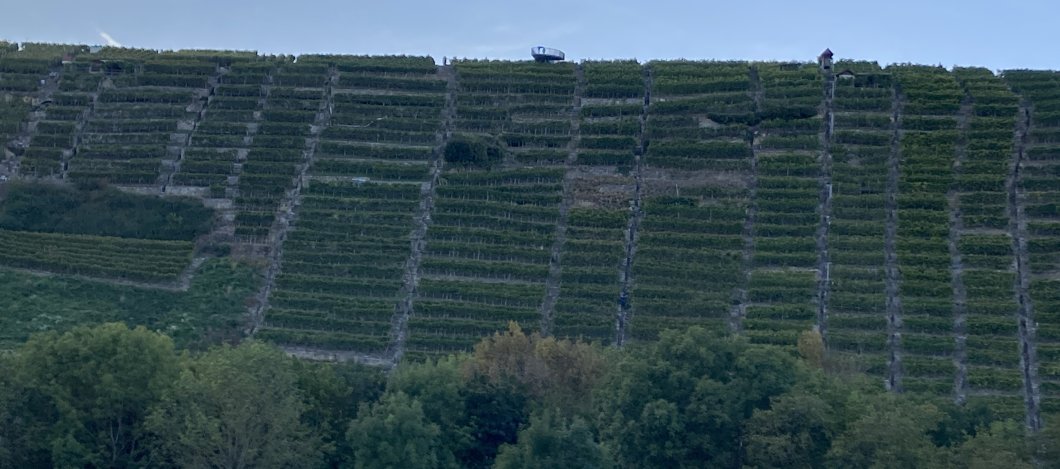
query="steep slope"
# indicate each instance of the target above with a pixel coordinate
(908, 212)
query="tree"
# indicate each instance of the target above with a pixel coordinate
(494, 414)
(550, 442)
(82, 396)
(560, 373)
(439, 387)
(892, 433)
(470, 150)
(961, 421)
(796, 432)
(333, 393)
(811, 347)
(681, 402)
(394, 432)
(1002, 444)
(12, 433)
(475, 414)
(235, 407)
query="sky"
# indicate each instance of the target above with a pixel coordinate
(994, 34)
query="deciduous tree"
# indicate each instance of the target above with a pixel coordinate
(235, 407)
(84, 394)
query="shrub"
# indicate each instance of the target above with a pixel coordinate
(469, 150)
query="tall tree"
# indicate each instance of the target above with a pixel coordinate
(476, 413)
(795, 432)
(333, 394)
(235, 407)
(12, 431)
(83, 395)
(439, 387)
(394, 432)
(681, 402)
(550, 441)
(560, 373)
(892, 433)
(494, 414)
(1002, 444)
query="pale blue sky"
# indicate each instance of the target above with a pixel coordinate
(994, 34)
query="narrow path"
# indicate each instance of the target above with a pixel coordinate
(625, 308)
(285, 214)
(824, 262)
(740, 293)
(960, 294)
(171, 167)
(892, 275)
(1025, 312)
(552, 283)
(418, 241)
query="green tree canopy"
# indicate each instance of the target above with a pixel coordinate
(681, 402)
(550, 441)
(892, 433)
(333, 393)
(472, 150)
(81, 397)
(1002, 445)
(394, 432)
(235, 407)
(795, 432)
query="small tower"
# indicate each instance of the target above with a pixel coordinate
(825, 60)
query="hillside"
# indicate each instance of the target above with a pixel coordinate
(908, 212)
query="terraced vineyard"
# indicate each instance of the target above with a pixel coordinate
(790, 161)
(697, 176)
(608, 142)
(862, 129)
(489, 246)
(909, 212)
(1034, 198)
(344, 261)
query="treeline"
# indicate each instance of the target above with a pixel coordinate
(95, 209)
(110, 396)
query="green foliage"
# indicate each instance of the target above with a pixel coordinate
(712, 128)
(471, 151)
(682, 401)
(1001, 444)
(210, 311)
(101, 211)
(234, 407)
(87, 393)
(494, 415)
(890, 434)
(114, 397)
(439, 387)
(796, 431)
(333, 394)
(549, 442)
(1048, 445)
(396, 433)
(133, 259)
